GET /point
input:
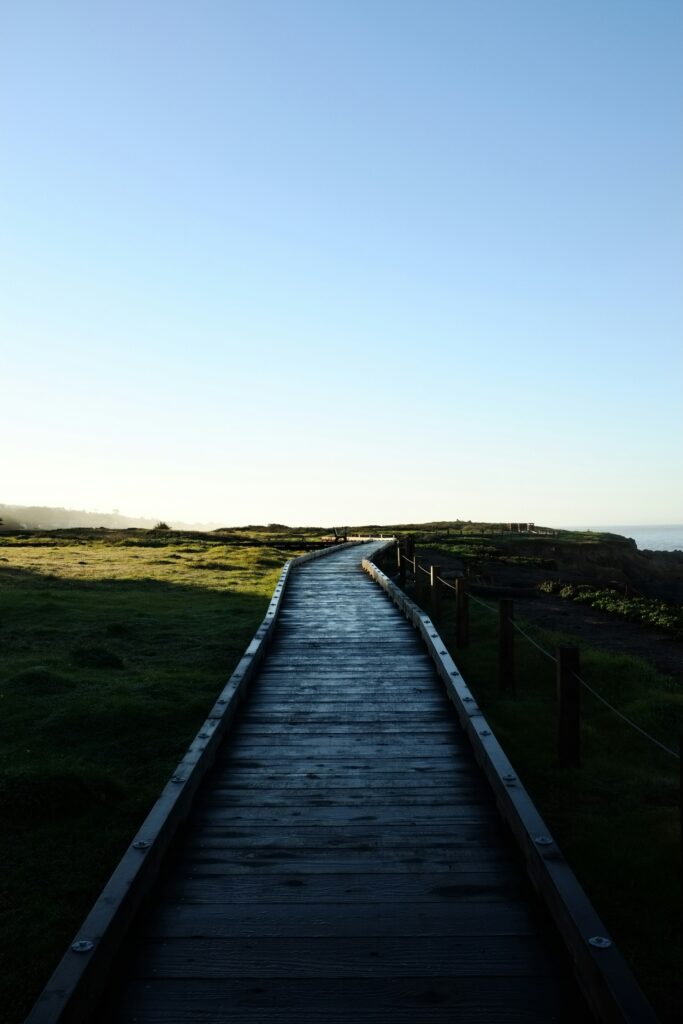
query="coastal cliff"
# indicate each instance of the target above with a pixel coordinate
(606, 562)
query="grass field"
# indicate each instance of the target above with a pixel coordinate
(616, 817)
(114, 646)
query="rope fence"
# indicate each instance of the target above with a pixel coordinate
(463, 632)
(515, 625)
(628, 720)
(483, 604)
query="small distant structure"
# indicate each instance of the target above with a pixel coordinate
(339, 535)
(530, 528)
(521, 528)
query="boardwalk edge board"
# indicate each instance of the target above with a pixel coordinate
(78, 980)
(602, 972)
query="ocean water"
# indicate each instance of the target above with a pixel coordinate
(654, 538)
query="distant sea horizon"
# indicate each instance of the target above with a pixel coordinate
(650, 538)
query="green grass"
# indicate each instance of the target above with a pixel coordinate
(114, 647)
(616, 817)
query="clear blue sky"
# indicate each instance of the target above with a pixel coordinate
(343, 261)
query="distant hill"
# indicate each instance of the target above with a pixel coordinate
(44, 517)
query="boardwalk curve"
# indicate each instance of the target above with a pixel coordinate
(345, 861)
(330, 849)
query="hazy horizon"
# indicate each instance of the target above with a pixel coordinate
(343, 262)
(212, 523)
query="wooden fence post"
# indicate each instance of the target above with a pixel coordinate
(418, 578)
(401, 565)
(410, 555)
(506, 647)
(462, 617)
(434, 573)
(569, 723)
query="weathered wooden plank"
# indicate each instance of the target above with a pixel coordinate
(357, 759)
(446, 837)
(306, 731)
(366, 861)
(492, 885)
(354, 771)
(446, 820)
(353, 653)
(349, 703)
(348, 744)
(325, 680)
(282, 673)
(386, 698)
(358, 956)
(341, 919)
(343, 745)
(336, 687)
(343, 773)
(315, 796)
(351, 857)
(418, 1000)
(365, 716)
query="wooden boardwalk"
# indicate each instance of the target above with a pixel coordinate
(345, 861)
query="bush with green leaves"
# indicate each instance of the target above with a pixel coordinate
(648, 611)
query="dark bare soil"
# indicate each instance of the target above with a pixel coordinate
(604, 631)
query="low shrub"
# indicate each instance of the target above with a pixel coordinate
(648, 611)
